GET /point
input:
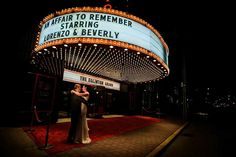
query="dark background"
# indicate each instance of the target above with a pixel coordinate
(200, 32)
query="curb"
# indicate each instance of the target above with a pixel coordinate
(161, 146)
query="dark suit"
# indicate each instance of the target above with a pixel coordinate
(75, 107)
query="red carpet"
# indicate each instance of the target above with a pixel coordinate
(99, 130)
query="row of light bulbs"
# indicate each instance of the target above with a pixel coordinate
(108, 61)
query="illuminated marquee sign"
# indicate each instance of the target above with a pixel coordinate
(77, 77)
(104, 26)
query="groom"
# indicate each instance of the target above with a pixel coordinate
(75, 106)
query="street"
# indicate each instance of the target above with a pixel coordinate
(205, 137)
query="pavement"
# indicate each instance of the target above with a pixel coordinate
(144, 142)
(205, 136)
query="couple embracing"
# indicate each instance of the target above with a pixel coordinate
(79, 131)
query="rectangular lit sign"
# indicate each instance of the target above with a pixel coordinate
(101, 25)
(77, 77)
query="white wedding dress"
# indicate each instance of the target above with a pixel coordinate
(82, 134)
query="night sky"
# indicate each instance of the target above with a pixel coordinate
(199, 32)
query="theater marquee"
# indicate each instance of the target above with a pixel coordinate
(101, 42)
(101, 25)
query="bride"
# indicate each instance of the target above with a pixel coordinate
(82, 135)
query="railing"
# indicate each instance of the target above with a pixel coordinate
(151, 112)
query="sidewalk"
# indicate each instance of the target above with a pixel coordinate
(144, 142)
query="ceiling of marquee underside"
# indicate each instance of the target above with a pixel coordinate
(114, 63)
